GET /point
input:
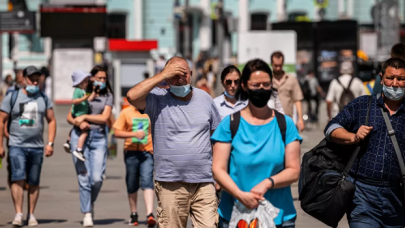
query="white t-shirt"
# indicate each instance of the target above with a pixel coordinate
(335, 90)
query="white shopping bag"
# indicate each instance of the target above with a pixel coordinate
(265, 214)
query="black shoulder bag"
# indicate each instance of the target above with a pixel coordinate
(325, 192)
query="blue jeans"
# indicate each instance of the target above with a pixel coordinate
(90, 173)
(286, 224)
(376, 204)
(138, 165)
(26, 163)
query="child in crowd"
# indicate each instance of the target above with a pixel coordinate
(81, 106)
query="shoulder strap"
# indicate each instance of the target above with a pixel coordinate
(356, 152)
(13, 100)
(350, 83)
(282, 124)
(235, 120)
(45, 99)
(391, 133)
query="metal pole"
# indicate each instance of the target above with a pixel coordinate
(117, 86)
(177, 26)
(220, 42)
(186, 34)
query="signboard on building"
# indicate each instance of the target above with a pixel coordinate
(73, 21)
(17, 21)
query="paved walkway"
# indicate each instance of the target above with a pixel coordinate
(59, 199)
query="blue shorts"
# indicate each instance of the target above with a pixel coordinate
(26, 164)
(139, 168)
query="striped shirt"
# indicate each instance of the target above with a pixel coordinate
(181, 134)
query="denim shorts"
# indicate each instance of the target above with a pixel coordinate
(26, 164)
(286, 224)
(376, 204)
(139, 168)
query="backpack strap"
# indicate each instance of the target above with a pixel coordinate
(350, 163)
(282, 124)
(235, 120)
(43, 95)
(13, 100)
(350, 83)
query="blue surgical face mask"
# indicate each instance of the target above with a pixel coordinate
(393, 93)
(32, 89)
(180, 91)
(228, 95)
(102, 85)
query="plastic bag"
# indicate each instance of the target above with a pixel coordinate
(265, 214)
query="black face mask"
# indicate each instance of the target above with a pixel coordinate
(259, 97)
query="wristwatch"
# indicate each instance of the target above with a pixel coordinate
(50, 144)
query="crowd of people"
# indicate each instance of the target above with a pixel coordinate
(202, 156)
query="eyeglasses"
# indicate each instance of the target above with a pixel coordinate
(228, 82)
(265, 85)
(243, 224)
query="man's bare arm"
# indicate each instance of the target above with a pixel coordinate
(137, 95)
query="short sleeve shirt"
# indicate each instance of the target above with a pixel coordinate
(289, 92)
(258, 152)
(97, 107)
(27, 118)
(83, 107)
(131, 120)
(181, 132)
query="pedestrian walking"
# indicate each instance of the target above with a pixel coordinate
(258, 137)
(136, 129)
(397, 51)
(5, 85)
(378, 198)
(343, 89)
(289, 91)
(312, 90)
(90, 172)
(227, 103)
(182, 119)
(24, 111)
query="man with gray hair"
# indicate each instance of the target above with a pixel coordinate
(343, 89)
(182, 119)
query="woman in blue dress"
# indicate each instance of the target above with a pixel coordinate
(261, 164)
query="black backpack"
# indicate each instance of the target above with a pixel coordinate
(347, 95)
(235, 120)
(324, 191)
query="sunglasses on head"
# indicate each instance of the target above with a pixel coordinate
(229, 82)
(243, 224)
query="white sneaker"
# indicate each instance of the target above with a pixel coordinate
(32, 221)
(87, 221)
(79, 155)
(18, 220)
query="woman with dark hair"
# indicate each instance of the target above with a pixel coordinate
(227, 103)
(261, 158)
(90, 173)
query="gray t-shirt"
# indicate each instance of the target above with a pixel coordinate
(97, 107)
(27, 125)
(181, 135)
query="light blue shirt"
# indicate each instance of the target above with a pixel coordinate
(226, 109)
(181, 132)
(257, 153)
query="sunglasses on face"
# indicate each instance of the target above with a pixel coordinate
(243, 224)
(228, 82)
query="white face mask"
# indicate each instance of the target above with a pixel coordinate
(393, 93)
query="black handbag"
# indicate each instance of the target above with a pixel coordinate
(324, 191)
